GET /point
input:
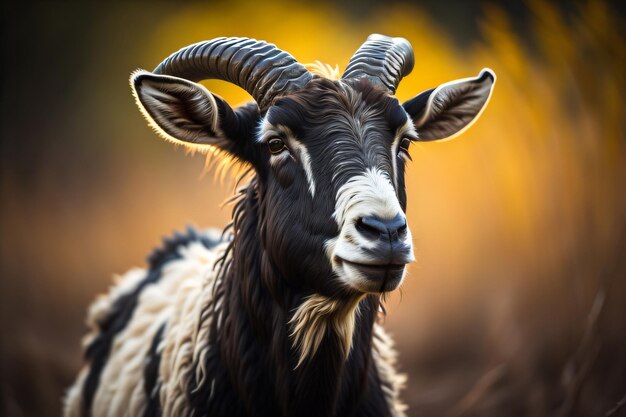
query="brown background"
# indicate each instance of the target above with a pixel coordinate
(517, 303)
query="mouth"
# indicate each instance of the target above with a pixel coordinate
(375, 277)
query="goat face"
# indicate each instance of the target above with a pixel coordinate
(329, 155)
(335, 184)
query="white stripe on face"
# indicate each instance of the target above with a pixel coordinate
(267, 131)
(305, 159)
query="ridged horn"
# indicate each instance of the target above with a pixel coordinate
(258, 67)
(382, 60)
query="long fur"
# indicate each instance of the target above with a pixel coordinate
(184, 306)
(223, 329)
(315, 316)
(280, 318)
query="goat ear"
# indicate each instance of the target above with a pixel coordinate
(448, 110)
(185, 112)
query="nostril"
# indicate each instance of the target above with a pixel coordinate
(368, 228)
(397, 224)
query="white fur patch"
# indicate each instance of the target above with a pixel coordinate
(72, 403)
(370, 193)
(366, 194)
(185, 287)
(392, 382)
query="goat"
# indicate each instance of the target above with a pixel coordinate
(279, 316)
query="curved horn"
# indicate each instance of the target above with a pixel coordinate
(382, 60)
(258, 67)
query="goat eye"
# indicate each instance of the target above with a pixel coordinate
(404, 144)
(276, 145)
(403, 149)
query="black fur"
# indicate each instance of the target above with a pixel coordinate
(151, 375)
(97, 352)
(277, 258)
(293, 215)
(417, 105)
(168, 251)
(322, 118)
(253, 364)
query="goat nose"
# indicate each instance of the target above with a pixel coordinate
(375, 228)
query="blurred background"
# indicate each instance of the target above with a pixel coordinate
(517, 303)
